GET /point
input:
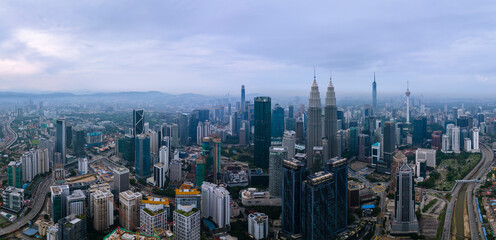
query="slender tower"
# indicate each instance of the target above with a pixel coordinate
(407, 103)
(314, 127)
(242, 104)
(331, 121)
(374, 96)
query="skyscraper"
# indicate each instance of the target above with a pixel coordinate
(79, 142)
(61, 139)
(374, 96)
(142, 156)
(277, 129)
(121, 179)
(243, 101)
(330, 121)
(384, 166)
(339, 168)
(153, 215)
(103, 209)
(262, 131)
(14, 171)
(289, 142)
(314, 126)
(404, 220)
(215, 203)
(217, 157)
(183, 128)
(419, 130)
(138, 121)
(293, 176)
(318, 213)
(276, 158)
(407, 93)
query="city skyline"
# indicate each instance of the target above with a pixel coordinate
(87, 48)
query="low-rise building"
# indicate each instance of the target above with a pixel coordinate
(255, 197)
(258, 225)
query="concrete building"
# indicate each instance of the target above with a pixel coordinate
(29, 162)
(154, 215)
(58, 200)
(256, 197)
(43, 160)
(13, 199)
(258, 225)
(53, 233)
(475, 139)
(455, 140)
(103, 210)
(429, 155)
(175, 171)
(445, 143)
(130, 203)
(104, 187)
(467, 146)
(375, 154)
(187, 222)
(76, 203)
(14, 172)
(121, 179)
(83, 165)
(164, 157)
(159, 175)
(215, 204)
(289, 141)
(276, 157)
(72, 227)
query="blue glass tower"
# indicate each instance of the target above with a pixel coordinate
(339, 168)
(293, 176)
(319, 212)
(142, 156)
(277, 122)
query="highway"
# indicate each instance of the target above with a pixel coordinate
(11, 132)
(476, 173)
(36, 204)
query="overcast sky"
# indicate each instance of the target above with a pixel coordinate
(212, 47)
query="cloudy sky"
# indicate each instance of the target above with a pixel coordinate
(212, 47)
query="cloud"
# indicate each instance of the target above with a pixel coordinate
(20, 67)
(49, 43)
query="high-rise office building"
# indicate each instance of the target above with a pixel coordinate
(138, 121)
(475, 140)
(14, 171)
(159, 175)
(374, 96)
(419, 130)
(164, 157)
(215, 204)
(258, 225)
(75, 203)
(60, 145)
(404, 220)
(277, 122)
(455, 139)
(58, 200)
(384, 166)
(339, 168)
(262, 131)
(200, 170)
(68, 134)
(289, 141)
(175, 171)
(154, 214)
(121, 179)
(330, 121)
(217, 150)
(376, 153)
(130, 203)
(276, 157)
(142, 156)
(243, 101)
(79, 142)
(293, 176)
(318, 213)
(183, 129)
(314, 126)
(103, 209)
(363, 148)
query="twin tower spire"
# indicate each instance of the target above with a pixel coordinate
(314, 100)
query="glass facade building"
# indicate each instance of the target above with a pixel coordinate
(277, 122)
(142, 156)
(262, 131)
(293, 176)
(339, 168)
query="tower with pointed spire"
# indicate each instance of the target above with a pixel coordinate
(407, 93)
(374, 96)
(331, 121)
(314, 126)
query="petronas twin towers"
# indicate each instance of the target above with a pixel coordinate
(315, 141)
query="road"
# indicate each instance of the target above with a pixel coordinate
(40, 195)
(477, 172)
(11, 132)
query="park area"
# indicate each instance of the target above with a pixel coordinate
(450, 167)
